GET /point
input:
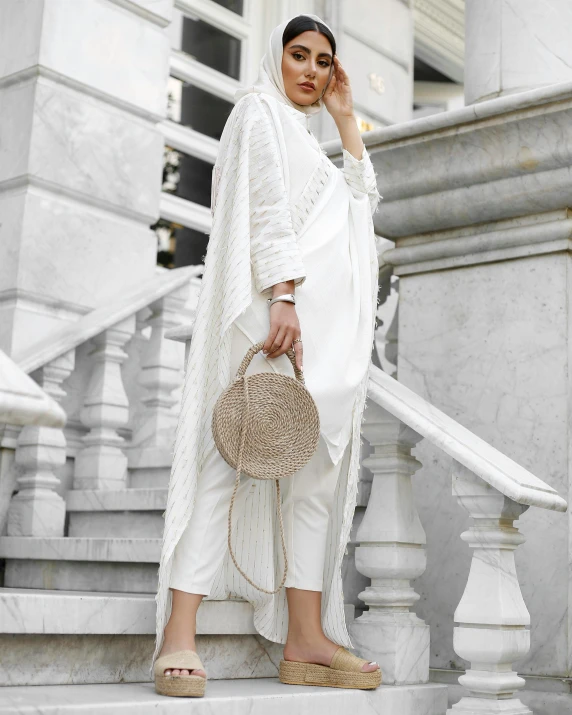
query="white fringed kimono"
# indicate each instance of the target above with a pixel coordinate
(281, 211)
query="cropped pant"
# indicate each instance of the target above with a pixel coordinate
(307, 499)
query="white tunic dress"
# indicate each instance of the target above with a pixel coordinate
(281, 211)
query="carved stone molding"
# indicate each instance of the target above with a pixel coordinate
(440, 35)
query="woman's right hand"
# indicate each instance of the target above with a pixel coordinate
(284, 329)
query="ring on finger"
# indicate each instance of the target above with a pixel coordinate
(296, 340)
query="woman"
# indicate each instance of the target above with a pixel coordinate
(285, 221)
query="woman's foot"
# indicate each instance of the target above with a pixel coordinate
(318, 650)
(181, 628)
(177, 644)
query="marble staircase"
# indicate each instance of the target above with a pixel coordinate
(84, 528)
(50, 637)
(113, 543)
(135, 512)
(261, 696)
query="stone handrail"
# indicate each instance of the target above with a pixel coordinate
(70, 336)
(491, 618)
(492, 466)
(22, 401)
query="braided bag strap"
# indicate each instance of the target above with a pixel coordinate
(242, 376)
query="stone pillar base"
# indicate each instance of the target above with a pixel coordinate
(36, 513)
(485, 706)
(401, 649)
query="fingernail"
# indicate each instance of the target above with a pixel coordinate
(265, 352)
(373, 662)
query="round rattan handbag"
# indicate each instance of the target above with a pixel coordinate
(265, 426)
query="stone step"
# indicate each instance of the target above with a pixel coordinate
(126, 565)
(55, 637)
(265, 696)
(122, 513)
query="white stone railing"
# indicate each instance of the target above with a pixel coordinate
(141, 317)
(22, 401)
(25, 404)
(491, 618)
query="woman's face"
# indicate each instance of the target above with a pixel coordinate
(306, 62)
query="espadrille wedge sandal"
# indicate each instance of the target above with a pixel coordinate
(345, 671)
(190, 686)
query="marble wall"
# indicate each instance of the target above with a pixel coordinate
(80, 167)
(489, 346)
(513, 45)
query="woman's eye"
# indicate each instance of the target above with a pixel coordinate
(325, 63)
(298, 56)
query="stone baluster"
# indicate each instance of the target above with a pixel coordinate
(102, 463)
(391, 552)
(491, 616)
(161, 373)
(37, 509)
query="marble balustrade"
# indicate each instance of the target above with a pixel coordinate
(477, 203)
(391, 543)
(491, 617)
(111, 421)
(391, 548)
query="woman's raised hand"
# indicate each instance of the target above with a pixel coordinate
(284, 329)
(338, 95)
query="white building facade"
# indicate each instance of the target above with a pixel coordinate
(110, 116)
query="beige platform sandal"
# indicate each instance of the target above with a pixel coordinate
(190, 686)
(345, 671)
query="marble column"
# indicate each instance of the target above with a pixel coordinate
(391, 552)
(515, 45)
(82, 88)
(102, 462)
(161, 367)
(37, 509)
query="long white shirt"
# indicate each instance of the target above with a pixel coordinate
(281, 211)
(332, 272)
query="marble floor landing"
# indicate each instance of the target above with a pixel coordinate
(264, 696)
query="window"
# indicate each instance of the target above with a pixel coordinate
(189, 178)
(236, 6)
(193, 107)
(211, 46)
(200, 43)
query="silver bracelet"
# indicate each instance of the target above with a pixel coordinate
(286, 297)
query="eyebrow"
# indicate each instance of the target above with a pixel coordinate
(301, 47)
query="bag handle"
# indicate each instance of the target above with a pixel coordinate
(257, 347)
(240, 375)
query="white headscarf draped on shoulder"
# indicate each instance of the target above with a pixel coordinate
(270, 80)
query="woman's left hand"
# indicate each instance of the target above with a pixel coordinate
(338, 95)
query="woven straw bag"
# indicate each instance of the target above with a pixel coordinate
(265, 426)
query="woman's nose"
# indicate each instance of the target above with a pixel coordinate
(311, 69)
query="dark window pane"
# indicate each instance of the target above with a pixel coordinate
(187, 177)
(211, 46)
(422, 72)
(195, 108)
(190, 247)
(234, 5)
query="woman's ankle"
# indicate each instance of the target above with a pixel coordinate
(179, 637)
(306, 638)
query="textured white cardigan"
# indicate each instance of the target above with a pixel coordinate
(270, 182)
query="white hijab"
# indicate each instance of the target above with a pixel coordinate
(270, 80)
